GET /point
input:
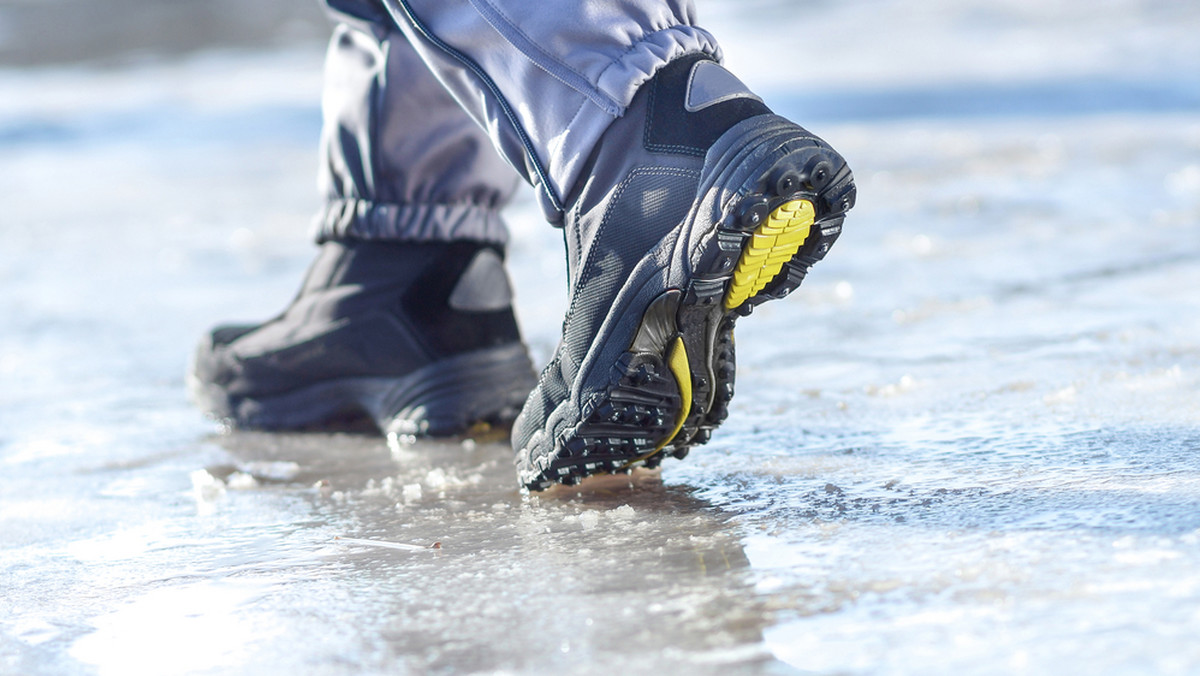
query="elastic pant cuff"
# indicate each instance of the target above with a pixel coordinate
(343, 219)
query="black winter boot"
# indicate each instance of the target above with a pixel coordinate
(420, 337)
(696, 206)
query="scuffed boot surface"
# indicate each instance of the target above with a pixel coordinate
(418, 337)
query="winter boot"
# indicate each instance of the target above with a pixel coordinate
(420, 337)
(697, 205)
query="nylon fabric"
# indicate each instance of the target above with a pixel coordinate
(400, 159)
(544, 84)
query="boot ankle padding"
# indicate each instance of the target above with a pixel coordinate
(672, 128)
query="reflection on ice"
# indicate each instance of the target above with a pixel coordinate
(955, 544)
(622, 560)
(180, 630)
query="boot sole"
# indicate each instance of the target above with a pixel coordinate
(442, 399)
(673, 386)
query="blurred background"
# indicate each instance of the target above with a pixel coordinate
(36, 32)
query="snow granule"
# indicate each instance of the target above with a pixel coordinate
(622, 513)
(436, 478)
(206, 488)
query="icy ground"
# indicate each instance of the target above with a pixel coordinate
(969, 444)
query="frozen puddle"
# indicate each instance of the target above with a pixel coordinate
(340, 554)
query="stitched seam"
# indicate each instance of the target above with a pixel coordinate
(584, 367)
(654, 171)
(687, 99)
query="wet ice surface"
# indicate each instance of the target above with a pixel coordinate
(968, 443)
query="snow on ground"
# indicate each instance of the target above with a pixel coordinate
(969, 444)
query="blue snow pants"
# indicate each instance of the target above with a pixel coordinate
(430, 105)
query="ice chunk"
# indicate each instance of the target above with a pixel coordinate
(240, 481)
(436, 479)
(622, 513)
(207, 489)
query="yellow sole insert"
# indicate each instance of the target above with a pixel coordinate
(772, 244)
(677, 362)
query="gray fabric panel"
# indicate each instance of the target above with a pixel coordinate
(400, 159)
(547, 83)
